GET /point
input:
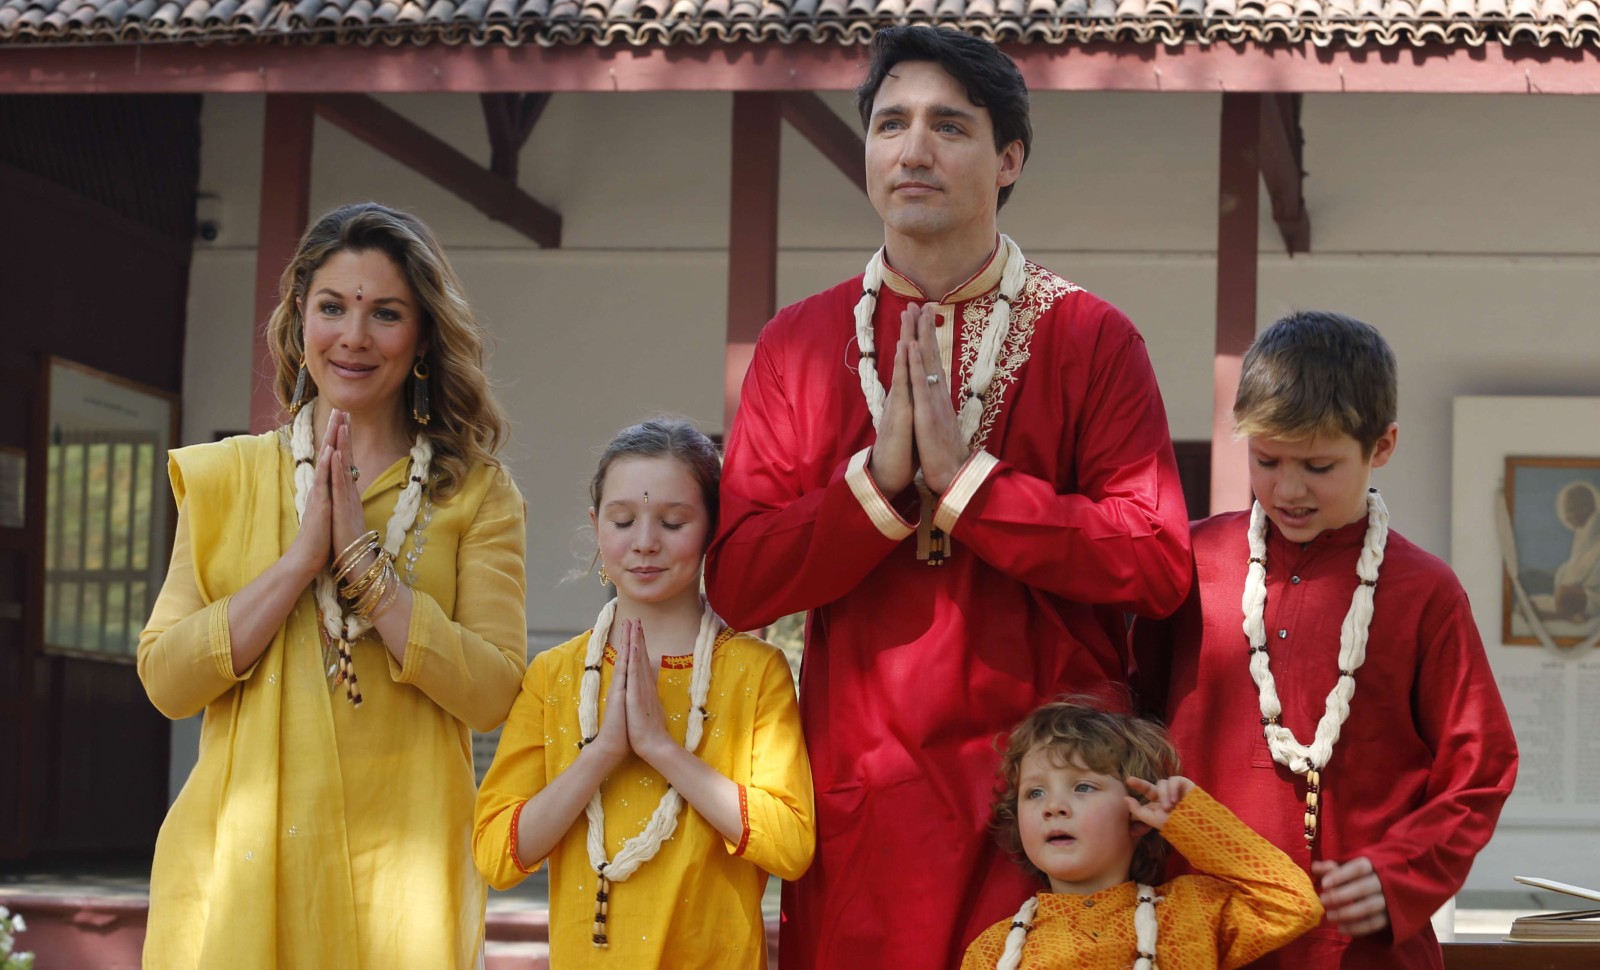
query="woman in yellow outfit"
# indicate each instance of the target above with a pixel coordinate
(345, 600)
(700, 714)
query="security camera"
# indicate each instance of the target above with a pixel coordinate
(209, 217)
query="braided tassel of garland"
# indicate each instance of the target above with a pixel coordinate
(1286, 749)
(1145, 928)
(1144, 931)
(338, 626)
(1021, 926)
(995, 332)
(664, 820)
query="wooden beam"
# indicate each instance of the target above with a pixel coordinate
(1238, 210)
(510, 119)
(285, 208)
(431, 157)
(830, 134)
(268, 68)
(1282, 168)
(752, 235)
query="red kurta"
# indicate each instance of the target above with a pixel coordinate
(1422, 765)
(1071, 513)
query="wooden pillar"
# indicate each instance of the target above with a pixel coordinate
(285, 207)
(752, 235)
(1237, 230)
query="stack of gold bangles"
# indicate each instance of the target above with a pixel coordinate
(375, 587)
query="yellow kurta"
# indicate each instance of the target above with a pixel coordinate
(1252, 900)
(697, 904)
(313, 834)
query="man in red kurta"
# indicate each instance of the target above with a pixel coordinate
(1424, 759)
(953, 581)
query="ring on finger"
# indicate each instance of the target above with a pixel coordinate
(932, 379)
(355, 473)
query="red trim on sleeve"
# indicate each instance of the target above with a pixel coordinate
(511, 840)
(744, 819)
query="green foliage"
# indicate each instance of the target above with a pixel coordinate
(788, 635)
(10, 925)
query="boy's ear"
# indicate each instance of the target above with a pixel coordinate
(1139, 829)
(1383, 449)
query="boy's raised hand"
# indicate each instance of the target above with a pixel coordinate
(1161, 798)
(1352, 895)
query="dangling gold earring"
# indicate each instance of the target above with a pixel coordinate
(298, 401)
(420, 412)
(604, 579)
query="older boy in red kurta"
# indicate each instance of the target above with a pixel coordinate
(1422, 765)
(1426, 758)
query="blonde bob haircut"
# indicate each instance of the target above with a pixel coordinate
(1119, 745)
(1317, 374)
(467, 426)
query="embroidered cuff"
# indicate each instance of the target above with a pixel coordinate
(954, 501)
(878, 509)
(511, 839)
(222, 641)
(744, 819)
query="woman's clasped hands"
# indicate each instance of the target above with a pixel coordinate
(333, 516)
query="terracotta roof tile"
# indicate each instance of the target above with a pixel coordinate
(1353, 23)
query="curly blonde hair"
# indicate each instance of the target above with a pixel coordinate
(468, 428)
(1119, 745)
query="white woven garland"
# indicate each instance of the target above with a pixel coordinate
(1012, 279)
(664, 821)
(1144, 931)
(337, 622)
(1286, 750)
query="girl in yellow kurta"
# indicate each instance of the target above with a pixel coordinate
(328, 824)
(607, 724)
(1065, 804)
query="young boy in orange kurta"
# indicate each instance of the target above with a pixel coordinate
(1065, 802)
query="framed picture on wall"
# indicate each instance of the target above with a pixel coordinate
(108, 508)
(1553, 507)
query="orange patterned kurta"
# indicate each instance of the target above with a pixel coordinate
(1251, 900)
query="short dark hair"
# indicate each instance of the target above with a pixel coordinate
(991, 79)
(1317, 373)
(1080, 727)
(667, 438)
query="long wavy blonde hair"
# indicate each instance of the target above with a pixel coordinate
(468, 428)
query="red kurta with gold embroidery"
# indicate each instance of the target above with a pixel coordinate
(1069, 514)
(1422, 765)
